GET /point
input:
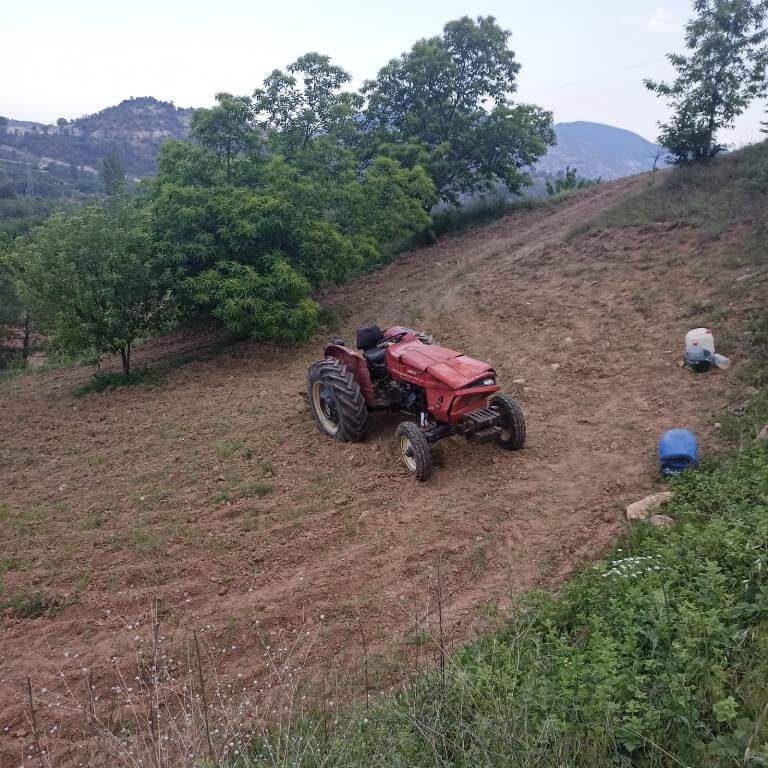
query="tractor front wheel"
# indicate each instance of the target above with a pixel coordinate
(336, 401)
(512, 422)
(414, 448)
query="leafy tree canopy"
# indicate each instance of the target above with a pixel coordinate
(228, 129)
(717, 80)
(112, 173)
(306, 102)
(251, 254)
(94, 280)
(446, 104)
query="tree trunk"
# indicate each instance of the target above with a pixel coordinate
(25, 343)
(125, 356)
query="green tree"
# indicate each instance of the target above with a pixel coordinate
(568, 180)
(717, 80)
(252, 253)
(446, 104)
(13, 314)
(112, 174)
(93, 280)
(228, 129)
(306, 102)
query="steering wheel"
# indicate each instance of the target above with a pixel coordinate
(391, 339)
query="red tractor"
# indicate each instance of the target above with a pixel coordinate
(402, 371)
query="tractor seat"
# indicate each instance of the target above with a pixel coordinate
(375, 356)
(368, 337)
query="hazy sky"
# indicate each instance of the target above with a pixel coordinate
(584, 60)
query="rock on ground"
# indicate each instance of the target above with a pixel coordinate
(641, 510)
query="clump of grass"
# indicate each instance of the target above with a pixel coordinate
(104, 380)
(11, 563)
(741, 425)
(227, 448)
(221, 496)
(258, 490)
(144, 541)
(92, 521)
(27, 604)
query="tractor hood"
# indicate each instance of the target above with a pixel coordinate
(451, 368)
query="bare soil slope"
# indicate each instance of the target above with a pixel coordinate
(214, 493)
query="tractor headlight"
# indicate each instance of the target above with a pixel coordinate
(488, 381)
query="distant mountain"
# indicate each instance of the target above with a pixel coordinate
(599, 151)
(62, 159)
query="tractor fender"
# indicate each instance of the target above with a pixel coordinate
(355, 362)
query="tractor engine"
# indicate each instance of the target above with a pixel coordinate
(405, 397)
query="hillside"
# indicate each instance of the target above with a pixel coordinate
(211, 491)
(62, 159)
(599, 151)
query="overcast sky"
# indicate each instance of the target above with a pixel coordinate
(583, 60)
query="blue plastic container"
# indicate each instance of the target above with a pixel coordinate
(678, 450)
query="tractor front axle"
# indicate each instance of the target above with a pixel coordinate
(480, 426)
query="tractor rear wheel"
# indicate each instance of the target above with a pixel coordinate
(512, 424)
(336, 402)
(414, 448)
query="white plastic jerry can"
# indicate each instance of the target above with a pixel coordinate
(700, 337)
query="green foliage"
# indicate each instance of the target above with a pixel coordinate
(717, 80)
(655, 656)
(94, 279)
(19, 214)
(112, 174)
(428, 107)
(567, 181)
(281, 193)
(26, 604)
(455, 219)
(252, 251)
(104, 380)
(226, 129)
(294, 114)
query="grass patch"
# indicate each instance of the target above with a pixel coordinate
(259, 490)
(489, 209)
(227, 448)
(105, 380)
(10, 563)
(655, 656)
(716, 195)
(27, 604)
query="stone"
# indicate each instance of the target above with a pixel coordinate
(641, 510)
(763, 433)
(554, 366)
(664, 520)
